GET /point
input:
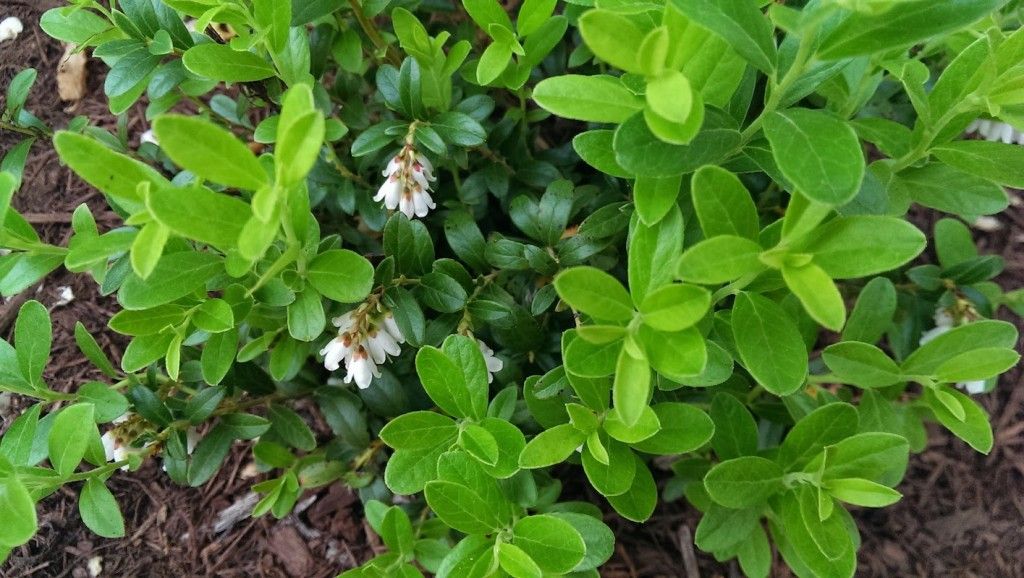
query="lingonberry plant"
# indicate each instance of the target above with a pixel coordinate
(490, 245)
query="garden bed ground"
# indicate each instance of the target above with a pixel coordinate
(962, 514)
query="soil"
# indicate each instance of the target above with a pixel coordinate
(961, 514)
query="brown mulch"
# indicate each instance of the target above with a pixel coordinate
(961, 515)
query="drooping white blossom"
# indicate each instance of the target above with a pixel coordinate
(406, 186)
(996, 131)
(148, 137)
(492, 362)
(364, 342)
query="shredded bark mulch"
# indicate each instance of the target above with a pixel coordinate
(961, 515)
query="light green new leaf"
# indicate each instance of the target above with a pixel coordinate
(818, 153)
(209, 151)
(851, 247)
(221, 62)
(720, 259)
(769, 344)
(613, 37)
(341, 275)
(594, 292)
(678, 109)
(516, 562)
(198, 213)
(19, 513)
(987, 333)
(551, 446)
(115, 174)
(860, 492)
(631, 388)
(650, 248)
(675, 307)
(740, 23)
(69, 437)
(588, 98)
(818, 294)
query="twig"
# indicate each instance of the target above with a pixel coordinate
(686, 547)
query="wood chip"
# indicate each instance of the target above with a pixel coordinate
(71, 74)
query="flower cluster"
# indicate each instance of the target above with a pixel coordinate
(407, 183)
(994, 130)
(363, 344)
(944, 322)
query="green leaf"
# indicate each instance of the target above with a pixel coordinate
(818, 294)
(860, 492)
(769, 344)
(675, 307)
(639, 151)
(551, 446)
(88, 346)
(942, 187)
(594, 292)
(638, 502)
(827, 425)
(214, 316)
(735, 429)
(977, 365)
(396, 530)
(33, 336)
(819, 153)
(861, 364)
(461, 508)
(631, 388)
(927, 359)
(851, 247)
(291, 428)
(115, 174)
(175, 276)
(73, 24)
(273, 18)
(223, 63)
(876, 456)
(341, 275)
(740, 23)
(722, 528)
(902, 24)
(300, 135)
(720, 259)
(198, 213)
(684, 428)
(613, 37)
(654, 197)
(487, 12)
(551, 542)
(444, 382)
(418, 430)
(872, 313)
(744, 482)
(306, 319)
(650, 247)
(680, 110)
(677, 355)
(442, 292)
(588, 98)
(974, 428)
(16, 443)
(595, 148)
(209, 151)
(109, 404)
(245, 426)
(69, 437)
(493, 61)
(723, 205)
(99, 510)
(19, 513)
(998, 162)
(516, 562)
(533, 14)
(614, 477)
(479, 443)
(210, 453)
